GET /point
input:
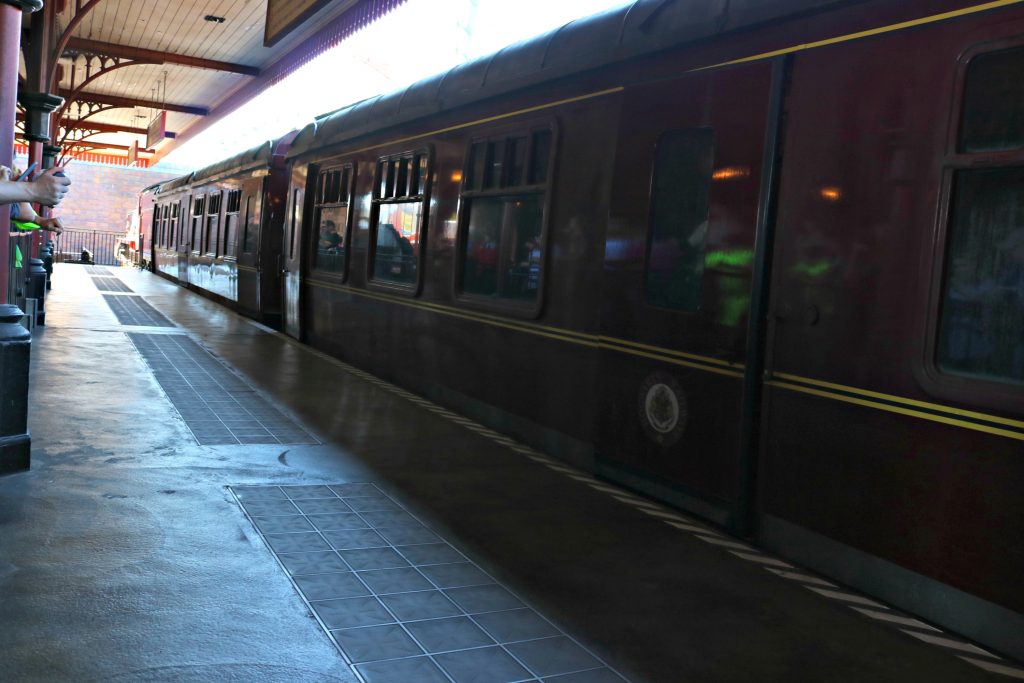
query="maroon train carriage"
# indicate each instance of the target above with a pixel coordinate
(763, 261)
(143, 212)
(218, 230)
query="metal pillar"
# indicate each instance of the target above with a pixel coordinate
(15, 340)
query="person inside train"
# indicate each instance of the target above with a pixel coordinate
(330, 239)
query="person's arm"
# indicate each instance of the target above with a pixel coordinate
(47, 189)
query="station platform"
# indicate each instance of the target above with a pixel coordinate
(212, 501)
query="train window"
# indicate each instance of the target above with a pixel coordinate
(197, 221)
(993, 115)
(246, 241)
(981, 325)
(331, 216)
(504, 204)
(156, 225)
(212, 222)
(234, 203)
(294, 221)
(399, 204)
(175, 208)
(164, 223)
(679, 218)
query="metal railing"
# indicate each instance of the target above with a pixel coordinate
(102, 245)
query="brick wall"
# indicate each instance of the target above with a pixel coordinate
(101, 196)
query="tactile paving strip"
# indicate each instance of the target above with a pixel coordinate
(132, 310)
(97, 270)
(217, 406)
(402, 604)
(110, 284)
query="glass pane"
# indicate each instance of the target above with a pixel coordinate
(247, 233)
(541, 153)
(421, 174)
(994, 102)
(495, 164)
(382, 169)
(393, 176)
(679, 219)
(402, 182)
(211, 230)
(981, 329)
(503, 254)
(477, 158)
(516, 161)
(331, 246)
(398, 228)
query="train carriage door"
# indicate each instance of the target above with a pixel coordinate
(188, 233)
(292, 250)
(677, 286)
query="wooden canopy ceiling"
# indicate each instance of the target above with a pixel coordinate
(117, 63)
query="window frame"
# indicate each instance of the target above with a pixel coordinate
(1000, 396)
(322, 169)
(413, 289)
(527, 129)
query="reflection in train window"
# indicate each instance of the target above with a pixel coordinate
(502, 242)
(330, 216)
(993, 117)
(679, 219)
(399, 200)
(981, 326)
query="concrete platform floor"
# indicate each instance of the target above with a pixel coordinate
(125, 557)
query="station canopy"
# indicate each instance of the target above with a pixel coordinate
(154, 74)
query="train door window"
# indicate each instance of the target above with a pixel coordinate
(980, 331)
(156, 225)
(504, 205)
(175, 208)
(246, 241)
(295, 215)
(400, 196)
(234, 205)
(993, 114)
(165, 222)
(331, 216)
(198, 205)
(212, 223)
(680, 189)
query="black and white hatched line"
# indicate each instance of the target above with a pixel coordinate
(865, 606)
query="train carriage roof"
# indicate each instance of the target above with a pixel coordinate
(640, 28)
(259, 155)
(174, 184)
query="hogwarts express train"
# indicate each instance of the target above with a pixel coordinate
(763, 261)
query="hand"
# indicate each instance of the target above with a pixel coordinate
(48, 189)
(53, 224)
(5, 173)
